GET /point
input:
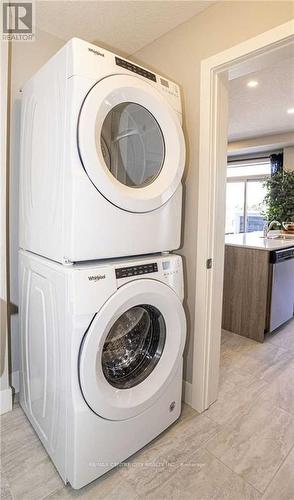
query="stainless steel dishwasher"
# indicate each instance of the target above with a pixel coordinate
(282, 290)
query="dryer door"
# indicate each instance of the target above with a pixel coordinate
(132, 349)
(131, 143)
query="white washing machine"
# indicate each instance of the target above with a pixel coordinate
(102, 157)
(101, 354)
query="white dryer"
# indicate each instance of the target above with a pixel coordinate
(102, 157)
(101, 353)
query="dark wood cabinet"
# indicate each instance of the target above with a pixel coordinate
(246, 293)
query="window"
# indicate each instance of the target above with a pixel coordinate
(245, 194)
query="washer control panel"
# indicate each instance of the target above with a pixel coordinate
(170, 269)
(126, 272)
(135, 69)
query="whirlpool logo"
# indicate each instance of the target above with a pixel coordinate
(96, 52)
(97, 277)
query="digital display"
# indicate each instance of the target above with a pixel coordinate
(164, 82)
(166, 265)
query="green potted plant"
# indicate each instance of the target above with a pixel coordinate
(279, 200)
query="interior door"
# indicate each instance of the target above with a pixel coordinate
(132, 349)
(131, 143)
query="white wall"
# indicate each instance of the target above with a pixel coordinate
(27, 58)
(264, 143)
(178, 55)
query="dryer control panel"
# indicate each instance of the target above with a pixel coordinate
(135, 69)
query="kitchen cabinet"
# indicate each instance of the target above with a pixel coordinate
(250, 294)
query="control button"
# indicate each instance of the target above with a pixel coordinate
(125, 272)
(135, 69)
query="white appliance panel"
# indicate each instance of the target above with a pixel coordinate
(55, 327)
(70, 212)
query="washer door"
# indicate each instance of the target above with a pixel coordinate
(132, 349)
(131, 143)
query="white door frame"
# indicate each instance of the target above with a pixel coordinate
(241, 59)
(5, 389)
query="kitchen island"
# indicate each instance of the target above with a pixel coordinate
(256, 241)
(248, 283)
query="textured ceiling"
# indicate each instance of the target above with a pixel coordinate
(123, 25)
(262, 110)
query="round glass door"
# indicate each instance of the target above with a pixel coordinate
(132, 144)
(132, 349)
(133, 346)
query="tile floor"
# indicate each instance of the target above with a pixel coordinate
(241, 448)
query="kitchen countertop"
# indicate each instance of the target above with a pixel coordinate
(255, 240)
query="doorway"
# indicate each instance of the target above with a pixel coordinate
(216, 71)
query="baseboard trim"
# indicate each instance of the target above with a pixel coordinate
(5, 400)
(15, 381)
(187, 392)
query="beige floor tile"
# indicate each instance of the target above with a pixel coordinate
(14, 428)
(282, 486)
(18, 440)
(234, 396)
(281, 390)
(111, 486)
(203, 477)
(232, 348)
(233, 374)
(187, 412)
(29, 470)
(238, 387)
(284, 336)
(22, 452)
(238, 352)
(265, 361)
(36, 483)
(246, 431)
(5, 491)
(255, 444)
(154, 465)
(236, 343)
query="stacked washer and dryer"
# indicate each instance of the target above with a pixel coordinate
(102, 322)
